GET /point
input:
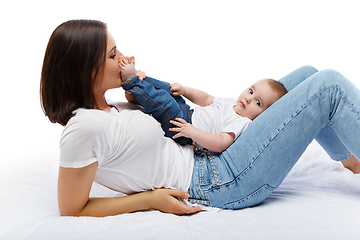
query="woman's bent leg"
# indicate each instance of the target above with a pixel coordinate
(265, 152)
(160, 104)
(297, 76)
(327, 138)
(331, 143)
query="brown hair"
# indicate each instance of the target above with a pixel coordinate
(278, 87)
(74, 56)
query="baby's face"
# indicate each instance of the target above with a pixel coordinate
(255, 99)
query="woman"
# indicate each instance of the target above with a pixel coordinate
(125, 150)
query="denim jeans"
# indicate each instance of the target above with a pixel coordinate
(156, 98)
(322, 105)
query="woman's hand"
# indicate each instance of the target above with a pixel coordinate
(167, 201)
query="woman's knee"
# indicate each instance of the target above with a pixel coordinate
(297, 76)
(333, 77)
(309, 69)
(330, 72)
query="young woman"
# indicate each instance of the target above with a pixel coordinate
(125, 150)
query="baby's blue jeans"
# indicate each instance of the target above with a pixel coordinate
(156, 98)
(319, 105)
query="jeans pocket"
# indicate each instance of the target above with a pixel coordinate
(253, 198)
(204, 173)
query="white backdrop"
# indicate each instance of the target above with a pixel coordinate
(218, 46)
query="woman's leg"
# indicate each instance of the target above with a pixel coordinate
(296, 77)
(158, 102)
(327, 138)
(262, 156)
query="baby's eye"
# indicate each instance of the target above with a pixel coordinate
(258, 102)
(251, 91)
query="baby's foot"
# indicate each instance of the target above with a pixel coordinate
(131, 59)
(127, 69)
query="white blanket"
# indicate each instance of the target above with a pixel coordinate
(319, 199)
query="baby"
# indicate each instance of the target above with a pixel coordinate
(216, 124)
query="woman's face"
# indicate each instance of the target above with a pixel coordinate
(109, 76)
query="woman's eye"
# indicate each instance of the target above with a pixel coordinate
(113, 54)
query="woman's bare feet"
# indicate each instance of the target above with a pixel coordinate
(352, 164)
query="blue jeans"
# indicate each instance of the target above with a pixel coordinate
(322, 105)
(156, 98)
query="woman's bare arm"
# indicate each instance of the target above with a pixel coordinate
(74, 186)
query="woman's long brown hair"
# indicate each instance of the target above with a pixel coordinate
(74, 56)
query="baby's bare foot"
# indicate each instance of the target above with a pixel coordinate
(127, 69)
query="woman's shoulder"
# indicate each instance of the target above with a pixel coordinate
(92, 121)
(85, 120)
(83, 140)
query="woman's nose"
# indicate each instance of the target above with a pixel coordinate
(121, 56)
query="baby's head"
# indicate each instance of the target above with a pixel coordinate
(258, 97)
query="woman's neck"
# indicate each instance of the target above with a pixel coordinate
(101, 104)
(105, 108)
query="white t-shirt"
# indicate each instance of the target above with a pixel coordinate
(130, 148)
(219, 117)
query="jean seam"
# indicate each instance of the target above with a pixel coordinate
(251, 195)
(350, 105)
(347, 103)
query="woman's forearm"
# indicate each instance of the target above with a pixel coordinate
(101, 207)
(164, 200)
(74, 185)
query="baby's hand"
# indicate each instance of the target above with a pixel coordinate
(140, 74)
(177, 89)
(127, 67)
(183, 128)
